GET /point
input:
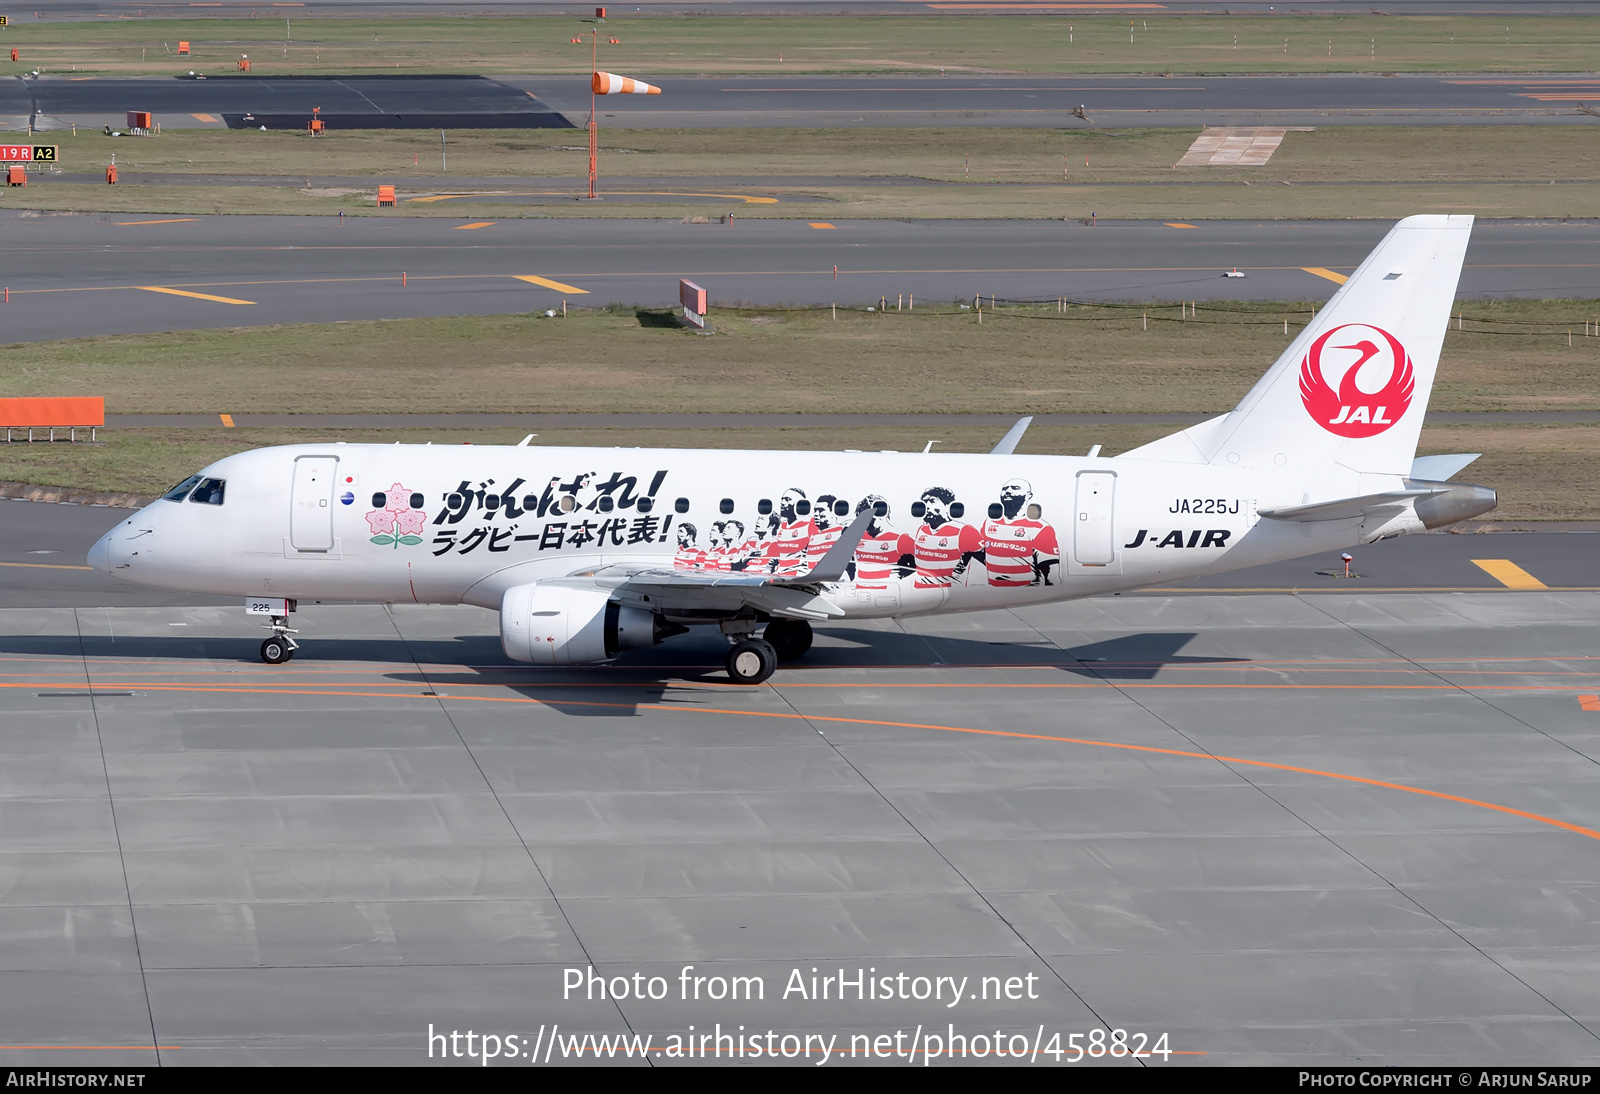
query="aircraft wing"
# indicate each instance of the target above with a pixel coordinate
(794, 596)
(1346, 508)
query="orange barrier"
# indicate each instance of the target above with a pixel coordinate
(139, 119)
(111, 174)
(183, 49)
(385, 195)
(244, 64)
(14, 54)
(71, 412)
(16, 176)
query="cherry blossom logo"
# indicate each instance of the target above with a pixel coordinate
(1375, 381)
(401, 520)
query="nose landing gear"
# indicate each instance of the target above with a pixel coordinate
(280, 647)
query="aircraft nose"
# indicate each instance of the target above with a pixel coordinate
(100, 553)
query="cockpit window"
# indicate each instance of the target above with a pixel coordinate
(181, 491)
(209, 492)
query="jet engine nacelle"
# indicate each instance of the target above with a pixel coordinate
(562, 625)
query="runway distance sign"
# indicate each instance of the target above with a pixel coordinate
(28, 153)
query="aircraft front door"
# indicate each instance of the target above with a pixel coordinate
(1093, 544)
(311, 503)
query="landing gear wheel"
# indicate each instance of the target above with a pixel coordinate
(751, 661)
(275, 651)
(791, 638)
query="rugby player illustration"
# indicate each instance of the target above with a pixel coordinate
(1018, 547)
(689, 556)
(827, 527)
(942, 543)
(793, 535)
(883, 553)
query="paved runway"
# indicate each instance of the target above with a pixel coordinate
(1110, 101)
(1276, 829)
(94, 274)
(470, 102)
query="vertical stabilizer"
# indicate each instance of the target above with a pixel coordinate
(1353, 388)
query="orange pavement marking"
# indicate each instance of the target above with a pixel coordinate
(227, 420)
(90, 1048)
(1508, 573)
(1180, 225)
(820, 224)
(1589, 702)
(1150, 749)
(1336, 278)
(176, 220)
(203, 117)
(45, 566)
(475, 224)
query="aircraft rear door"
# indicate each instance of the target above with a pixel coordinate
(1093, 529)
(311, 503)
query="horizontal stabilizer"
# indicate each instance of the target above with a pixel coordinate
(1346, 508)
(1008, 443)
(1441, 468)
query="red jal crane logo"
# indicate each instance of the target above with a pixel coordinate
(1360, 356)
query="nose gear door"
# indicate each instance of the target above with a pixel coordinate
(311, 503)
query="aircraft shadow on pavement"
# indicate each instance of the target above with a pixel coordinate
(678, 671)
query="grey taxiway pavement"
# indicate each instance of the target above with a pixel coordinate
(1250, 829)
(472, 102)
(102, 274)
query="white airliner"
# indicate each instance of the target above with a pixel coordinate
(587, 552)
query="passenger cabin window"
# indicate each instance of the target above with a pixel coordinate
(1034, 512)
(841, 508)
(644, 505)
(918, 509)
(606, 504)
(209, 492)
(957, 509)
(996, 510)
(802, 508)
(727, 505)
(764, 506)
(681, 505)
(181, 491)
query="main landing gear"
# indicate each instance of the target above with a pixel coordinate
(280, 647)
(752, 660)
(791, 638)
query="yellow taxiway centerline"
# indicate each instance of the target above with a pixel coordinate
(547, 283)
(177, 220)
(193, 295)
(1508, 573)
(44, 566)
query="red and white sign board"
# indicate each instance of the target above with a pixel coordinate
(693, 299)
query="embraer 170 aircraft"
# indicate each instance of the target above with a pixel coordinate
(587, 552)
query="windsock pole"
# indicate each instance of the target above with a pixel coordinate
(594, 129)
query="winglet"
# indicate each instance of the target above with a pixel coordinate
(830, 567)
(1008, 443)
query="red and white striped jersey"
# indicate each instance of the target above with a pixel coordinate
(1010, 545)
(821, 540)
(938, 551)
(876, 556)
(788, 546)
(756, 553)
(720, 559)
(689, 558)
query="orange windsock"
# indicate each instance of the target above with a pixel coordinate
(604, 83)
